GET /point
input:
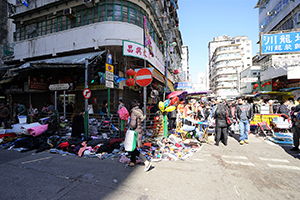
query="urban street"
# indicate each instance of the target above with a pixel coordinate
(258, 170)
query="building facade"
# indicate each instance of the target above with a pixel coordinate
(227, 58)
(185, 64)
(278, 16)
(53, 38)
(247, 76)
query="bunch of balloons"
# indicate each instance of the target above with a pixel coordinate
(165, 107)
(168, 105)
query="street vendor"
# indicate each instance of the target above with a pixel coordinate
(190, 124)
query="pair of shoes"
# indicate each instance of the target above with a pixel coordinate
(241, 142)
(130, 164)
(246, 141)
(294, 149)
(216, 144)
(147, 165)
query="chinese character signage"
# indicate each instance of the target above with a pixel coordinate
(137, 50)
(280, 43)
(183, 85)
(37, 83)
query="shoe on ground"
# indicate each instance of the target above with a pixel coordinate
(246, 141)
(147, 165)
(294, 149)
(242, 142)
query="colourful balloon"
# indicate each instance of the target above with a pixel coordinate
(161, 106)
(167, 102)
(170, 108)
(174, 100)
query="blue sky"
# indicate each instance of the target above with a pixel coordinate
(202, 20)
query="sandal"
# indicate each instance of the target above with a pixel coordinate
(131, 164)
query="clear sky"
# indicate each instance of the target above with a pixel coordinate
(202, 20)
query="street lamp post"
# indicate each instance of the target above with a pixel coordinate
(167, 66)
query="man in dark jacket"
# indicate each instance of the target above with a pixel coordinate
(244, 114)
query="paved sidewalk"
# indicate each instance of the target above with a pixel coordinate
(259, 170)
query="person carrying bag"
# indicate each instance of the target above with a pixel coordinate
(136, 119)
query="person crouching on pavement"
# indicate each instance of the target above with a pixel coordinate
(136, 118)
(190, 124)
(244, 115)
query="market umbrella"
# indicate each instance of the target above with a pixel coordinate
(174, 94)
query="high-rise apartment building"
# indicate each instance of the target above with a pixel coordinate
(227, 57)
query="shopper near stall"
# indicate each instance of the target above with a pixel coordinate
(221, 123)
(296, 127)
(136, 119)
(244, 115)
(4, 114)
(284, 108)
(19, 110)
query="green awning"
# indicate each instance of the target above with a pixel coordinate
(62, 62)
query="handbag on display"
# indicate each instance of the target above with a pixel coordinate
(130, 140)
(123, 113)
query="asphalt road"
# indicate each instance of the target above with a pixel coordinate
(259, 170)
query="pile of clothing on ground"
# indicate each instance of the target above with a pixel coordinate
(159, 148)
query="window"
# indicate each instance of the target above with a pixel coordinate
(118, 10)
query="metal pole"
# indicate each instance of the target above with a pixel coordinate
(108, 102)
(55, 97)
(64, 104)
(166, 72)
(86, 116)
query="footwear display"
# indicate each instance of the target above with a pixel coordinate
(147, 165)
(246, 141)
(241, 142)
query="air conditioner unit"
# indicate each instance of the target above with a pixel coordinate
(271, 13)
(262, 26)
(89, 3)
(298, 17)
(168, 4)
(69, 12)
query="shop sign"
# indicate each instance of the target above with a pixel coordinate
(296, 93)
(249, 80)
(14, 89)
(137, 50)
(293, 72)
(37, 83)
(280, 43)
(183, 85)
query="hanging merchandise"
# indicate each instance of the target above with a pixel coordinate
(174, 101)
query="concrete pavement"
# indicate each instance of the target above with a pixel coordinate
(259, 170)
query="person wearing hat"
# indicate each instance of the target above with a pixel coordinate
(190, 124)
(4, 113)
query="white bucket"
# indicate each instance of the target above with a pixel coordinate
(22, 119)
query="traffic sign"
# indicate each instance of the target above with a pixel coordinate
(109, 84)
(143, 77)
(109, 58)
(87, 93)
(109, 68)
(109, 76)
(56, 87)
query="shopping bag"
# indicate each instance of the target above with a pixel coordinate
(228, 120)
(123, 113)
(130, 140)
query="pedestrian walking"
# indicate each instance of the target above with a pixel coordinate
(244, 114)
(136, 119)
